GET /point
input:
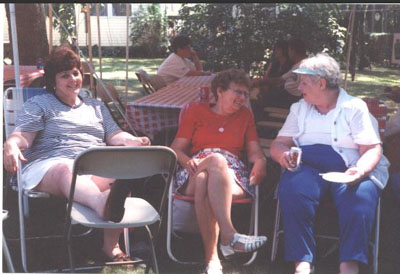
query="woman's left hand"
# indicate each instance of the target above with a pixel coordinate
(138, 141)
(357, 174)
(258, 172)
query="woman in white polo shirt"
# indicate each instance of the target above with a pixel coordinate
(178, 63)
(336, 133)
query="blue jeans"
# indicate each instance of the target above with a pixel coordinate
(300, 193)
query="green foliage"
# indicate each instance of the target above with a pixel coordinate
(65, 13)
(149, 31)
(242, 35)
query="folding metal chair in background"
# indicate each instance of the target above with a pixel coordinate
(150, 84)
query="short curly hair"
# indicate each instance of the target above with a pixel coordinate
(224, 78)
(60, 59)
(180, 42)
(326, 67)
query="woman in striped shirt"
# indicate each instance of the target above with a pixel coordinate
(52, 129)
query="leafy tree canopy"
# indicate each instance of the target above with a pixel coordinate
(239, 35)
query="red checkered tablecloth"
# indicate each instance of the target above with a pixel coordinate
(159, 111)
(27, 74)
(195, 81)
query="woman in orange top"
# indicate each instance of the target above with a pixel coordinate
(209, 144)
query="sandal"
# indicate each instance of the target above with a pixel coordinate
(114, 209)
(251, 243)
(214, 267)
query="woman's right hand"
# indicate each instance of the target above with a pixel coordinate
(286, 161)
(11, 155)
(191, 166)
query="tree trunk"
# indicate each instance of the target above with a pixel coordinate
(31, 32)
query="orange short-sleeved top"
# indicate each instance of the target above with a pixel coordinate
(202, 127)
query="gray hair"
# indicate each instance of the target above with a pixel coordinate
(325, 67)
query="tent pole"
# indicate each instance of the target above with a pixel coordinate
(127, 53)
(50, 27)
(99, 39)
(350, 41)
(90, 46)
(15, 45)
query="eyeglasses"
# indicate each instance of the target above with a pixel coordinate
(240, 92)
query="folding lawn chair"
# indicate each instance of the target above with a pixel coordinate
(122, 163)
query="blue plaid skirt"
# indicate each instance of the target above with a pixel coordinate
(235, 165)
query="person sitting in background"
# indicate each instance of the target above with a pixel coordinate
(290, 94)
(52, 129)
(178, 65)
(209, 144)
(346, 139)
(271, 94)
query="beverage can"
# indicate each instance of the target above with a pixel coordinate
(295, 156)
(204, 93)
(39, 63)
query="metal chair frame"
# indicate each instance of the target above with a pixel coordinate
(144, 79)
(121, 163)
(253, 228)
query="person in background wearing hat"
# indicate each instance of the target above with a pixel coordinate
(178, 64)
(336, 133)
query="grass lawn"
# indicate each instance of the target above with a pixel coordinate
(368, 83)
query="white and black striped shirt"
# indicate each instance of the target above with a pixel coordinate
(62, 130)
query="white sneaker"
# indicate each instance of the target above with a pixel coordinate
(250, 244)
(214, 267)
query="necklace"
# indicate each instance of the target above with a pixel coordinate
(227, 119)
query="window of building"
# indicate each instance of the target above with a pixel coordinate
(119, 10)
(102, 9)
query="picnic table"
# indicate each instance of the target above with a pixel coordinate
(159, 111)
(27, 74)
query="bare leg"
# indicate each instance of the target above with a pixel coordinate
(221, 187)
(91, 191)
(213, 189)
(349, 267)
(208, 226)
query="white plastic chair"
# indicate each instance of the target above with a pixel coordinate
(13, 100)
(121, 163)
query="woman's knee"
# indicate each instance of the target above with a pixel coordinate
(201, 186)
(216, 163)
(60, 171)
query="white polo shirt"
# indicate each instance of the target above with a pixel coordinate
(174, 68)
(350, 124)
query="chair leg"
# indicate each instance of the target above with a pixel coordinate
(68, 239)
(153, 251)
(376, 244)
(22, 229)
(10, 264)
(254, 223)
(276, 233)
(127, 242)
